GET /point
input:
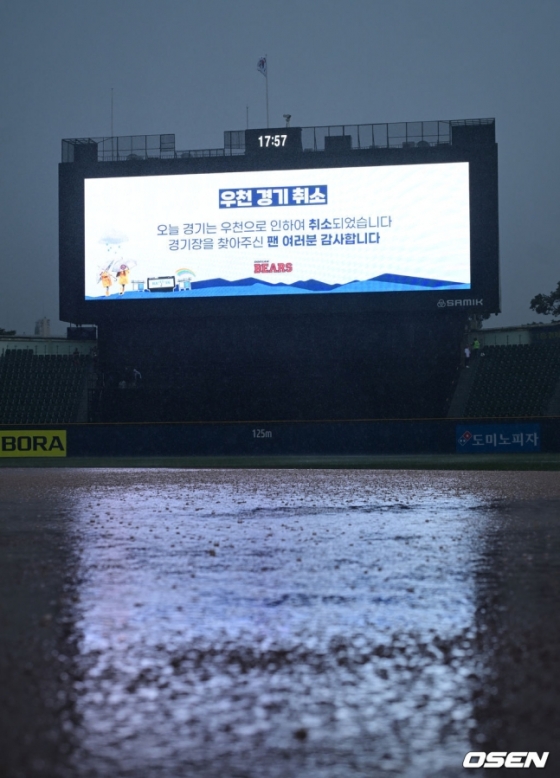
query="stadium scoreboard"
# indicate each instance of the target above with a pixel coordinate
(281, 229)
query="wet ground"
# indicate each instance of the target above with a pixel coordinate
(276, 623)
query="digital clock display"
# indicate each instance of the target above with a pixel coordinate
(272, 140)
(285, 140)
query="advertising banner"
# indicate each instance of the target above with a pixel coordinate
(33, 443)
(498, 438)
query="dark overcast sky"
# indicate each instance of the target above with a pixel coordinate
(189, 67)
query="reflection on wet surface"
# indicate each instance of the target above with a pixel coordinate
(263, 624)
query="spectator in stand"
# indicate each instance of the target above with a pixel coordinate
(467, 355)
(137, 377)
(475, 347)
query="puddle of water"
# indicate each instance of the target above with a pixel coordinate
(282, 623)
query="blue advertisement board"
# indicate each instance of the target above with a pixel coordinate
(497, 438)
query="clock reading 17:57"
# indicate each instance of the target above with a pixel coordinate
(272, 140)
(276, 140)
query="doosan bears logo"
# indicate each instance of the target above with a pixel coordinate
(274, 267)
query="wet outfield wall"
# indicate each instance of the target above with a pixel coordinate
(284, 438)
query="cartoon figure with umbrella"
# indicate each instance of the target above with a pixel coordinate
(115, 267)
(106, 277)
(123, 274)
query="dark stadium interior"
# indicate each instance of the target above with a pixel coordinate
(283, 368)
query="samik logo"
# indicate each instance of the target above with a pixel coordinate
(33, 443)
(463, 303)
(477, 759)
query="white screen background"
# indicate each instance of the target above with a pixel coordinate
(428, 205)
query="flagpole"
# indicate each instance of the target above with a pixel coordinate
(262, 67)
(266, 79)
(112, 131)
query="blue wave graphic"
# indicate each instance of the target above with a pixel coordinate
(219, 287)
(312, 285)
(426, 283)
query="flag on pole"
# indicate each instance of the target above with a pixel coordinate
(262, 68)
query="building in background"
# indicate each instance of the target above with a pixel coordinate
(43, 327)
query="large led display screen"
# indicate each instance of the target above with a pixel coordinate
(401, 228)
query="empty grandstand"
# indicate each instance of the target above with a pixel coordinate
(515, 380)
(43, 388)
(516, 375)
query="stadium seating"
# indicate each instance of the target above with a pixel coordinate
(515, 380)
(41, 389)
